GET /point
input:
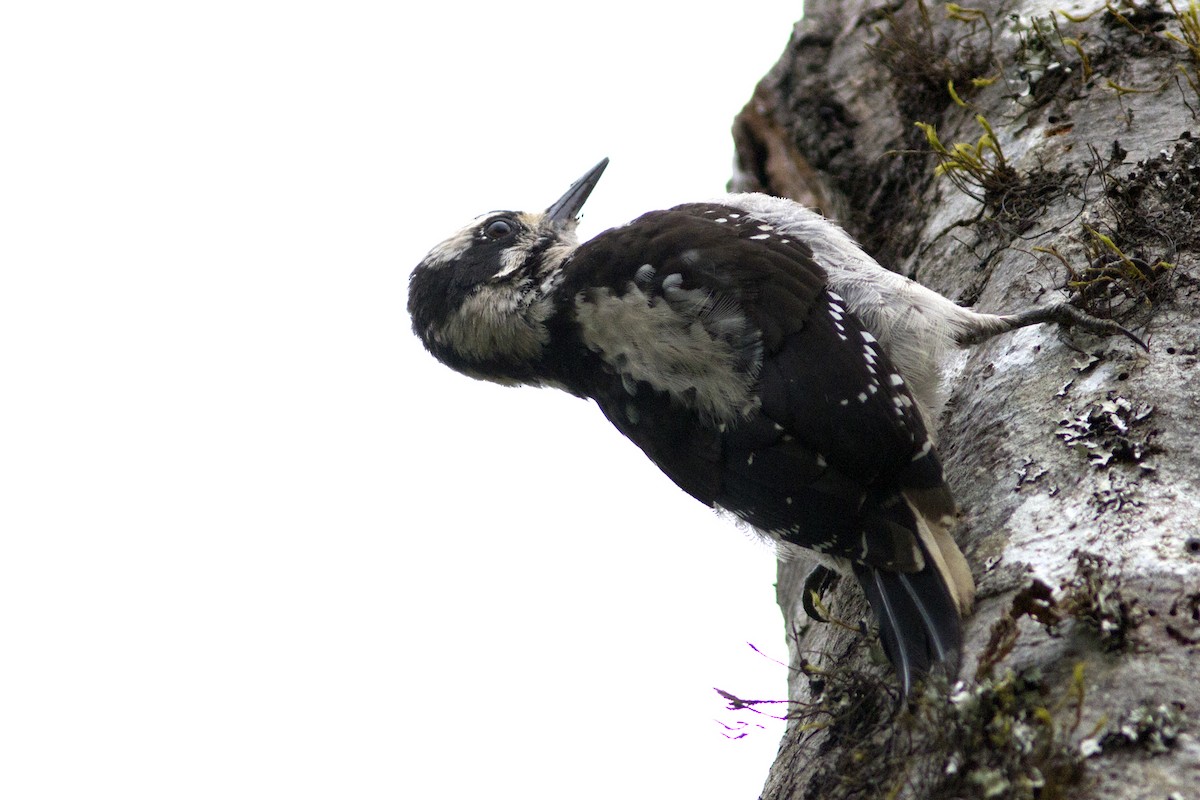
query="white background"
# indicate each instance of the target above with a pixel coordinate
(255, 542)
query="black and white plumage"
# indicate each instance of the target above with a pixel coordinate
(759, 357)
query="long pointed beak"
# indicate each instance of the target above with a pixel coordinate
(566, 209)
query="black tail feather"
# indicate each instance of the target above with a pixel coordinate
(919, 622)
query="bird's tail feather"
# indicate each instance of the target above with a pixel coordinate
(919, 622)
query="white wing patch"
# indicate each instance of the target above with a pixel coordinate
(698, 347)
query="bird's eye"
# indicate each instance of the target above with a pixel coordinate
(498, 229)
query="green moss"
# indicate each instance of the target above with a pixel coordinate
(1006, 737)
(1010, 735)
(1013, 733)
(1188, 20)
(1013, 201)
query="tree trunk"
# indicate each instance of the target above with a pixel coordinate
(1059, 160)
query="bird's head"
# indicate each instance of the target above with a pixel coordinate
(479, 301)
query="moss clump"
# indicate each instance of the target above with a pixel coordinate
(978, 169)
(1094, 597)
(1014, 201)
(923, 64)
(1005, 737)
(1009, 736)
(1156, 207)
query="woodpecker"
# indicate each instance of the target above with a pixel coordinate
(760, 358)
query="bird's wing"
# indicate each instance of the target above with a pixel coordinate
(750, 384)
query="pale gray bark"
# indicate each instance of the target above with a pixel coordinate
(1075, 460)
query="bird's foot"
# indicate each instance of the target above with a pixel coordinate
(820, 580)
